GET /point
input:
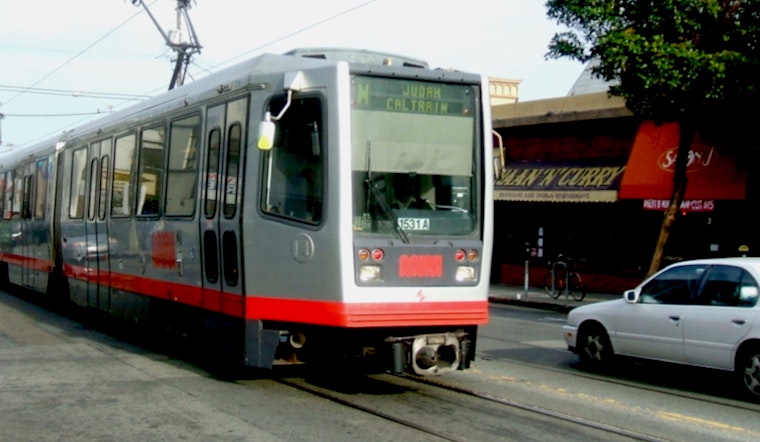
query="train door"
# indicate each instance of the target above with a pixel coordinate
(35, 228)
(220, 231)
(96, 227)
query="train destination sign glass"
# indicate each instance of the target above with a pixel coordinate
(410, 96)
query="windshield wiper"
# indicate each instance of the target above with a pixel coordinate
(381, 200)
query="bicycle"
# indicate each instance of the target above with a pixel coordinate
(561, 279)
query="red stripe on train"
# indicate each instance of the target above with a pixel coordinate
(368, 314)
(337, 314)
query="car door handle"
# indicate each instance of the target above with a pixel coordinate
(739, 321)
(674, 318)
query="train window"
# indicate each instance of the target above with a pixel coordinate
(233, 165)
(103, 186)
(8, 199)
(78, 181)
(2, 195)
(123, 167)
(26, 202)
(293, 182)
(212, 168)
(93, 188)
(183, 165)
(41, 186)
(151, 166)
(18, 188)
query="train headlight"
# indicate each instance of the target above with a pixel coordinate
(368, 273)
(465, 274)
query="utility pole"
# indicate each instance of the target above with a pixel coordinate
(184, 50)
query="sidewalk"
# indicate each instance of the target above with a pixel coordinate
(538, 298)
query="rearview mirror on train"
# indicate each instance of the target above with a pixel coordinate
(266, 133)
(292, 82)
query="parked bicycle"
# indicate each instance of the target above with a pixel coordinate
(561, 279)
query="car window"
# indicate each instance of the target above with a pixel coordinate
(674, 286)
(729, 286)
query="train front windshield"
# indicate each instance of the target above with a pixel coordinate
(414, 158)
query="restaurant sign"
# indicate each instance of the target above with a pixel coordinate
(559, 182)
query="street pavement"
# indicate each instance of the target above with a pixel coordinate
(536, 297)
(61, 379)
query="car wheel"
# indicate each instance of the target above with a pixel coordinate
(594, 347)
(748, 371)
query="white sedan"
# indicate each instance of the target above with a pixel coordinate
(702, 312)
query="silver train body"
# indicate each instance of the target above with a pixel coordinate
(326, 203)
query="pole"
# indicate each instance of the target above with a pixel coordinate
(527, 278)
(526, 275)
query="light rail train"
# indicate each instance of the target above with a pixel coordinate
(324, 204)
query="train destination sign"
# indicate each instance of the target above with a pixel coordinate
(410, 96)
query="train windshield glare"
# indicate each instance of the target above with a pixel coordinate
(413, 150)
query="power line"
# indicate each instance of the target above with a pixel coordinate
(306, 28)
(55, 115)
(49, 74)
(116, 96)
(75, 93)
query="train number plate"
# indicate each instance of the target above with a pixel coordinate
(414, 223)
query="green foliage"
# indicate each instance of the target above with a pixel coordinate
(670, 59)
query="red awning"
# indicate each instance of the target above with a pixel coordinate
(649, 174)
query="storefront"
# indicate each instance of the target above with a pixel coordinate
(606, 212)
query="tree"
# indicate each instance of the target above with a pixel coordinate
(686, 61)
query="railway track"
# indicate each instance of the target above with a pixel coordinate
(444, 412)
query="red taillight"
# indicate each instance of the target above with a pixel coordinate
(471, 255)
(378, 254)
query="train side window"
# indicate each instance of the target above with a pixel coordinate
(233, 165)
(151, 166)
(93, 188)
(2, 196)
(40, 199)
(123, 168)
(212, 171)
(293, 182)
(26, 202)
(183, 166)
(8, 206)
(78, 182)
(104, 163)
(18, 192)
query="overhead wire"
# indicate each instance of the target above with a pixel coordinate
(32, 88)
(77, 55)
(75, 93)
(291, 34)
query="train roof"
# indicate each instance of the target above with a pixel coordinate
(238, 77)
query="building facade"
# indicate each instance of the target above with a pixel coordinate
(580, 176)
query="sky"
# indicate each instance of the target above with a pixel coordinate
(63, 63)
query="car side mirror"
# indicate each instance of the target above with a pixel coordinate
(631, 296)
